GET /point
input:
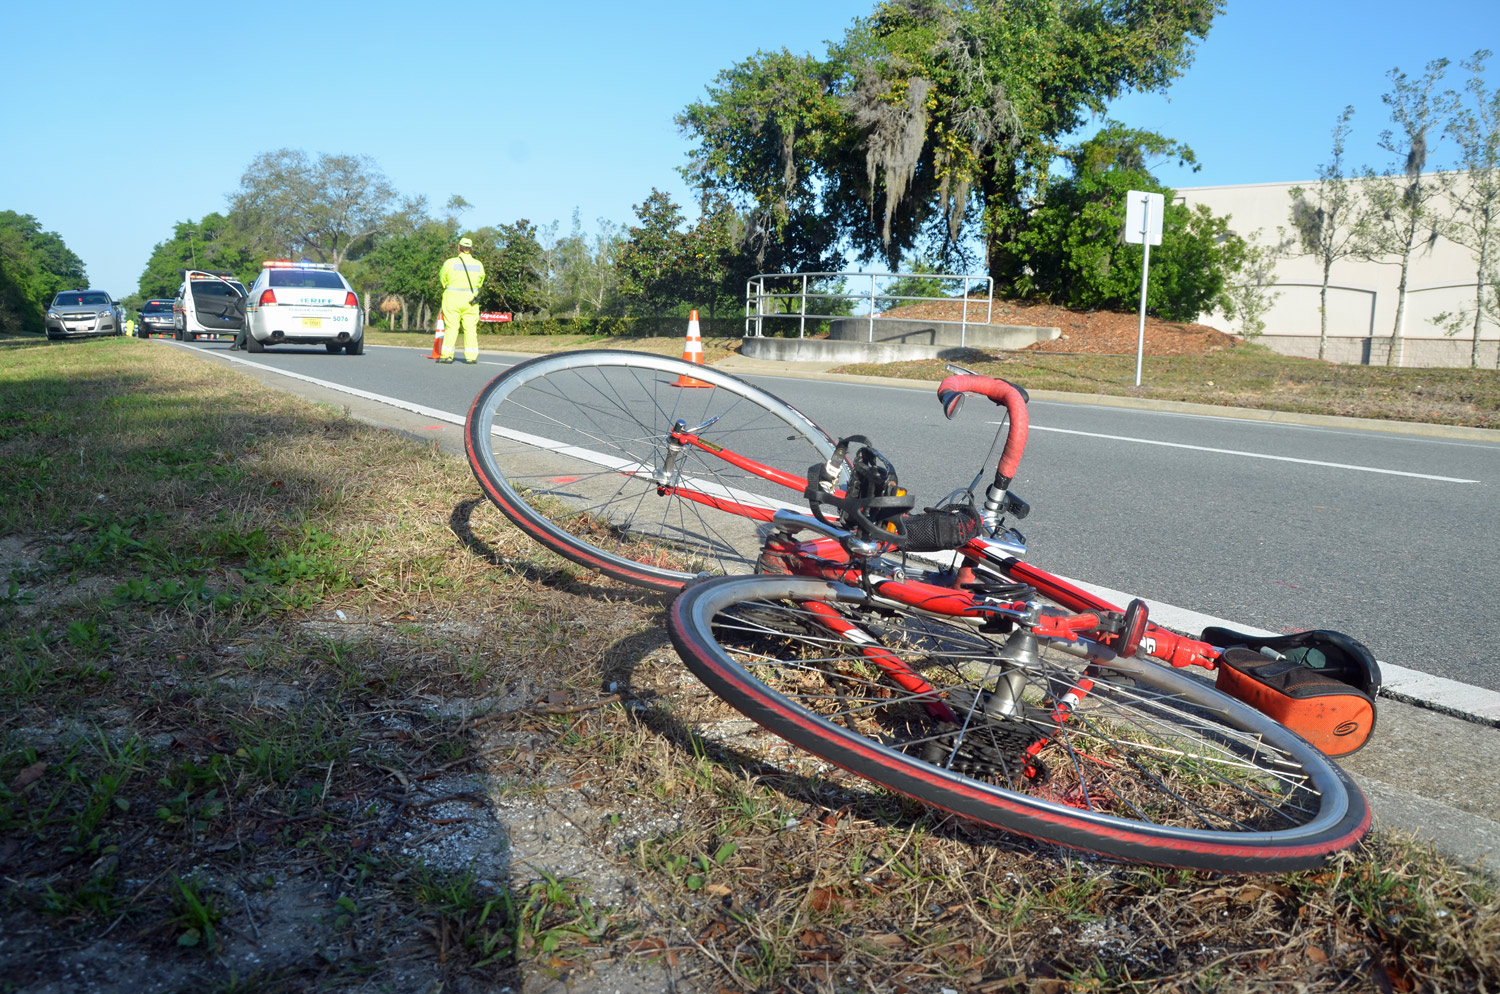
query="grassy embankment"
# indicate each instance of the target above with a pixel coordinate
(267, 675)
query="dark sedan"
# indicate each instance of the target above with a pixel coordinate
(155, 318)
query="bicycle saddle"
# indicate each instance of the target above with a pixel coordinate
(1332, 654)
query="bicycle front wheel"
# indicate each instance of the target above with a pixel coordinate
(578, 450)
(1125, 758)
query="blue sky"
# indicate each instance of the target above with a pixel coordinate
(123, 118)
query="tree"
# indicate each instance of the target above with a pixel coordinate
(651, 263)
(713, 258)
(1475, 222)
(1252, 295)
(1328, 222)
(19, 310)
(918, 283)
(514, 279)
(1401, 215)
(406, 265)
(929, 114)
(705, 267)
(214, 242)
(1071, 251)
(34, 265)
(331, 208)
(586, 281)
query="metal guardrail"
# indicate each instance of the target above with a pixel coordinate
(762, 294)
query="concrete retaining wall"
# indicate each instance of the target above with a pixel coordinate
(832, 350)
(1423, 352)
(916, 332)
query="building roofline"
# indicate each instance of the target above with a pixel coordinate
(1296, 182)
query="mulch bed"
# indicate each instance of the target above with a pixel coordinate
(1085, 332)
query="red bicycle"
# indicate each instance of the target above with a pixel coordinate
(914, 648)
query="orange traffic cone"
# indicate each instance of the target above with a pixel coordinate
(692, 351)
(437, 339)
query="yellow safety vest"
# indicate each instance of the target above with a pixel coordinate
(462, 274)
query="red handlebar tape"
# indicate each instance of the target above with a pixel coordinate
(1010, 398)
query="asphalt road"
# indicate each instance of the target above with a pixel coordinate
(1278, 526)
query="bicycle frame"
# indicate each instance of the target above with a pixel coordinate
(825, 557)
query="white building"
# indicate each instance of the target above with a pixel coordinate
(1361, 296)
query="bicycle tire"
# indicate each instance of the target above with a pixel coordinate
(1153, 766)
(563, 444)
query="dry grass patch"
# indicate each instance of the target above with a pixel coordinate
(1249, 376)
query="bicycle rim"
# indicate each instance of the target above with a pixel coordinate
(1153, 765)
(574, 449)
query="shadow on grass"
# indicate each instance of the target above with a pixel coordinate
(564, 578)
(870, 802)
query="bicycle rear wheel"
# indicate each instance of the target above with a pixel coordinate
(1152, 765)
(575, 448)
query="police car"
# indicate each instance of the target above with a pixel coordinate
(303, 303)
(209, 302)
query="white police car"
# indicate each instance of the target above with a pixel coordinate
(209, 302)
(303, 303)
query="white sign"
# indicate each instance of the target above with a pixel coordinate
(1143, 217)
(1143, 227)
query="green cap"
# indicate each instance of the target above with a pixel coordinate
(466, 243)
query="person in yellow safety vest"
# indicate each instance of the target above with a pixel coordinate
(130, 327)
(462, 276)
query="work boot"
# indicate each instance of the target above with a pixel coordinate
(446, 360)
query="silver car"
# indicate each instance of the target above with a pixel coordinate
(303, 303)
(83, 312)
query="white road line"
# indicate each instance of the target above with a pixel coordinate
(1396, 681)
(1252, 455)
(1413, 685)
(422, 409)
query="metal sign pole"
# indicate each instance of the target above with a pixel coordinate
(1143, 224)
(1140, 341)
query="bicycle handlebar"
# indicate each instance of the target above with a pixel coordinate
(951, 394)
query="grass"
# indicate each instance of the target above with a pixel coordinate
(264, 669)
(1247, 375)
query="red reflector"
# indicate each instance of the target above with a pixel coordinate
(350, 300)
(267, 296)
